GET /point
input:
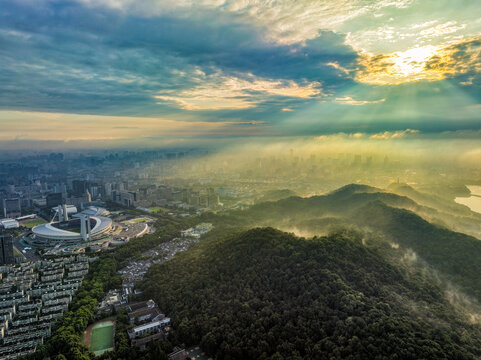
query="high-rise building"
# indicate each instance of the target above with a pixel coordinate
(126, 198)
(94, 191)
(79, 187)
(54, 199)
(12, 208)
(108, 189)
(6, 249)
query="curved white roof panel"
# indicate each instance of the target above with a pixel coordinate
(48, 231)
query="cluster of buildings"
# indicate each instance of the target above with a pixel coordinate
(133, 273)
(38, 183)
(125, 198)
(33, 296)
(137, 268)
(197, 231)
(147, 322)
(150, 323)
(162, 195)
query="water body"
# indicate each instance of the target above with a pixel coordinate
(474, 201)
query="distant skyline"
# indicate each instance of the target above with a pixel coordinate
(140, 73)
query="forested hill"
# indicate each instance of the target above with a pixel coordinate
(266, 294)
(455, 256)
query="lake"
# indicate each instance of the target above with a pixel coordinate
(474, 201)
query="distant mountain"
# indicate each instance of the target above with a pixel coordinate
(266, 294)
(456, 256)
(275, 195)
(449, 213)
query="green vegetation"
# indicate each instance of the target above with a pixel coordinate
(265, 294)
(33, 223)
(158, 209)
(275, 195)
(455, 256)
(447, 212)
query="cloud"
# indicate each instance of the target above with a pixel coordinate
(404, 36)
(459, 58)
(217, 91)
(385, 135)
(421, 63)
(284, 21)
(373, 26)
(347, 100)
(79, 127)
(73, 58)
(229, 61)
(390, 135)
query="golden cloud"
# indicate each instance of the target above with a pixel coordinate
(389, 135)
(217, 92)
(429, 63)
(80, 127)
(347, 100)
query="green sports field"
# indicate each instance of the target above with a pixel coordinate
(102, 338)
(32, 223)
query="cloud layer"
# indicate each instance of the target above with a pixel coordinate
(297, 68)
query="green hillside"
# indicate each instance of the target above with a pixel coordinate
(450, 213)
(266, 294)
(456, 256)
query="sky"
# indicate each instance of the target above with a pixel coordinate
(164, 72)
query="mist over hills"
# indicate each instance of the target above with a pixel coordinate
(371, 278)
(266, 294)
(397, 219)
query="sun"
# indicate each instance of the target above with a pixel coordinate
(401, 66)
(412, 62)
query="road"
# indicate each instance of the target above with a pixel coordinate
(30, 254)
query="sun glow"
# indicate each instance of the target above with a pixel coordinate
(402, 67)
(413, 62)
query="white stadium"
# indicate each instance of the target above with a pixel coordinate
(88, 225)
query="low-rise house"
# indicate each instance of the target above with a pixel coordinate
(178, 354)
(145, 311)
(141, 343)
(151, 327)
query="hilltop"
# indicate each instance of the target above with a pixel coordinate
(267, 294)
(396, 220)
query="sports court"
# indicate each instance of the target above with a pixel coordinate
(100, 337)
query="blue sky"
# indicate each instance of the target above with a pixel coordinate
(123, 71)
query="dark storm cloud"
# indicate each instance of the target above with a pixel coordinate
(68, 58)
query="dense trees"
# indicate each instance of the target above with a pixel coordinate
(264, 294)
(455, 256)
